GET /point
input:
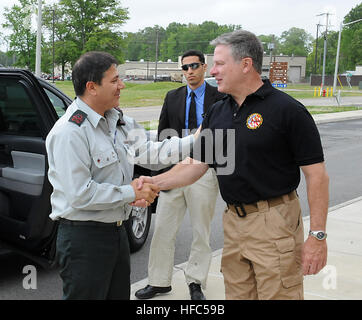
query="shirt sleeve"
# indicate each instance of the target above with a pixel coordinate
(69, 170)
(304, 138)
(157, 155)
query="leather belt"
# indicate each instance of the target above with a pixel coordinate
(90, 223)
(244, 209)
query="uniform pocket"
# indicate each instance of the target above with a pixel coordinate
(290, 215)
(104, 158)
(290, 273)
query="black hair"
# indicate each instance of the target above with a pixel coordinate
(192, 53)
(91, 66)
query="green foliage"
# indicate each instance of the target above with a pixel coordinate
(22, 41)
(174, 40)
(296, 42)
(350, 50)
(77, 26)
(351, 40)
(81, 26)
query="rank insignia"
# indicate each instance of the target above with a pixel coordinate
(78, 117)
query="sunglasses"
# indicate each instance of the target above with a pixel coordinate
(193, 66)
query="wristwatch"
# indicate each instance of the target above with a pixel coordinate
(319, 235)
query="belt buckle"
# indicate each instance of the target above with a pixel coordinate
(243, 212)
(119, 223)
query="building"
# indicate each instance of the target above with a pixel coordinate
(142, 70)
(296, 66)
(145, 70)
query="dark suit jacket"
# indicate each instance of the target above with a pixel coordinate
(174, 107)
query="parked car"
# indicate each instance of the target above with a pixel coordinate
(29, 107)
(211, 81)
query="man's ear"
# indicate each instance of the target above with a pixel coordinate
(247, 64)
(90, 87)
(205, 67)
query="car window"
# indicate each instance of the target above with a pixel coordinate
(58, 104)
(18, 115)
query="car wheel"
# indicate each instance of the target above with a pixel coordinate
(138, 226)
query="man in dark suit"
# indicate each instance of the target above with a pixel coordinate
(182, 112)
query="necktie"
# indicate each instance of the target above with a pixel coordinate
(192, 113)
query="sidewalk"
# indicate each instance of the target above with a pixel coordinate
(340, 279)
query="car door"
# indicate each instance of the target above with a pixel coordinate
(26, 116)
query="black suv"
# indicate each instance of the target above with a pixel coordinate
(29, 107)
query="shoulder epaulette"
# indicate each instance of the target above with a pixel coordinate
(78, 117)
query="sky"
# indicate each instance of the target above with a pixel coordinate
(258, 16)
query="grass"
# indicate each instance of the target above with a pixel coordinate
(134, 94)
(153, 94)
(326, 109)
(149, 94)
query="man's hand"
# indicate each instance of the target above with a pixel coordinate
(145, 193)
(144, 179)
(314, 255)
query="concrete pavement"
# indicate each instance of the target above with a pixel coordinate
(340, 279)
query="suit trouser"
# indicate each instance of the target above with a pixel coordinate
(200, 199)
(262, 252)
(94, 261)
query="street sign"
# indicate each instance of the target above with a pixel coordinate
(278, 73)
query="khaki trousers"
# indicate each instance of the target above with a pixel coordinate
(262, 252)
(200, 199)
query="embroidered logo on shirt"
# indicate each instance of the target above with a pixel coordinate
(254, 121)
(78, 117)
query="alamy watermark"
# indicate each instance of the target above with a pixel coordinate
(30, 281)
(215, 147)
(330, 278)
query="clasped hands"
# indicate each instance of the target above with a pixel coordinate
(145, 191)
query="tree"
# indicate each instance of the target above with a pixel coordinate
(351, 40)
(88, 22)
(296, 42)
(267, 40)
(175, 40)
(79, 26)
(22, 41)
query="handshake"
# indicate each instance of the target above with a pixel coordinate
(145, 191)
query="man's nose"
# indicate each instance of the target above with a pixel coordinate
(213, 71)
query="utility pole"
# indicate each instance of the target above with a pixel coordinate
(271, 48)
(38, 43)
(325, 49)
(156, 55)
(316, 50)
(53, 11)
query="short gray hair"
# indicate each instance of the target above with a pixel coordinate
(243, 44)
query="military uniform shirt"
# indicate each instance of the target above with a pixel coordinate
(91, 163)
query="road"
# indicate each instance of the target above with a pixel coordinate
(343, 150)
(152, 113)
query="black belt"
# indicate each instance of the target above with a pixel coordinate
(243, 209)
(90, 223)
